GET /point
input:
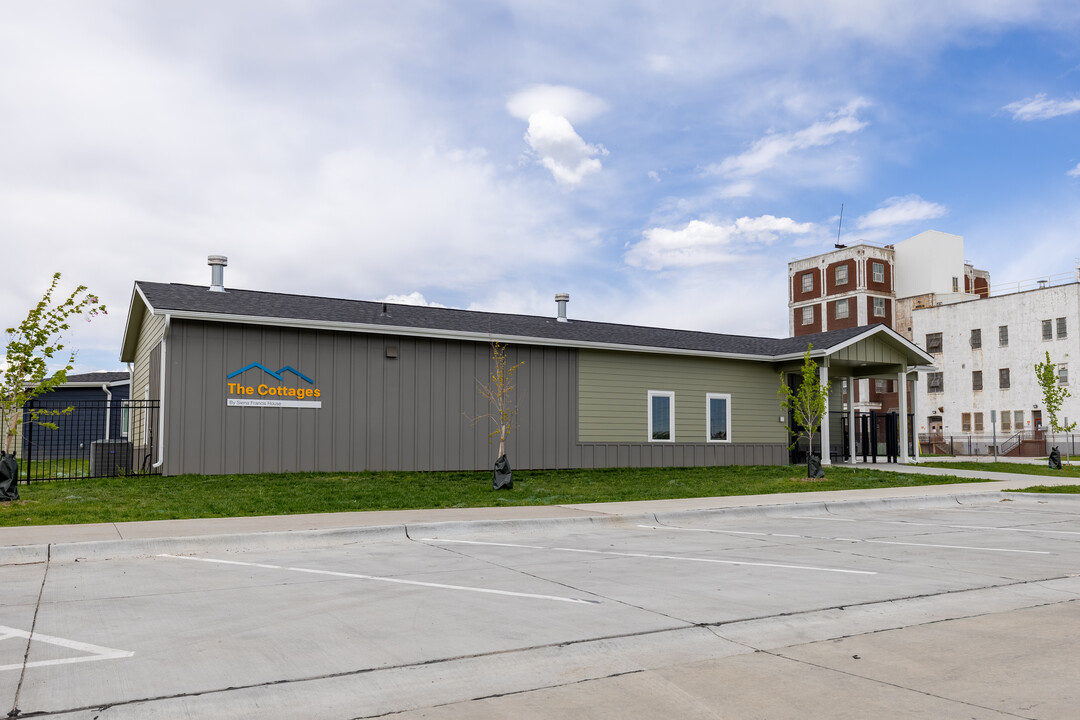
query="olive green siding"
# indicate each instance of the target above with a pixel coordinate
(872, 351)
(150, 333)
(613, 397)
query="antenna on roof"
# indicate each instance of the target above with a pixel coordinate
(838, 226)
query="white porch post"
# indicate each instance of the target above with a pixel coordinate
(825, 419)
(901, 385)
(851, 418)
(915, 412)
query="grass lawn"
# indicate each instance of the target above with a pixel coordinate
(1008, 467)
(196, 496)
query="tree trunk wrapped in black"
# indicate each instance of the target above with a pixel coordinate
(9, 477)
(813, 467)
(503, 478)
(1055, 459)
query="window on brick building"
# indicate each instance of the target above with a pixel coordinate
(841, 274)
(807, 282)
(976, 379)
(1003, 378)
(1003, 336)
(879, 307)
(879, 271)
(976, 339)
(808, 315)
(933, 343)
(841, 310)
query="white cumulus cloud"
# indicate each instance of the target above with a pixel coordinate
(1042, 108)
(561, 150)
(1075, 172)
(701, 242)
(413, 298)
(575, 105)
(900, 211)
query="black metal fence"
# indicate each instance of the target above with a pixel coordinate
(92, 438)
(1026, 443)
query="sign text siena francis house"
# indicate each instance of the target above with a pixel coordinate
(273, 391)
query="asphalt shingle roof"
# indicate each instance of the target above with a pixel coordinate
(180, 299)
(98, 377)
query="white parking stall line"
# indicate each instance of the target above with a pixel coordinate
(397, 581)
(953, 527)
(842, 539)
(655, 557)
(93, 652)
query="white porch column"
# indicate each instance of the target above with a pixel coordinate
(825, 460)
(915, 412)
(851, 418)
(901, 385)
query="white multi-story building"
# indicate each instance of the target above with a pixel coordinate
(983, 381)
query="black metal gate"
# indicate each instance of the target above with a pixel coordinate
(91, 438)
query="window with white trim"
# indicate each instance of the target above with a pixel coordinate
(807, 282)
(878, 270)
(661, 416)
(841, 310)
(808, 315)
(879, 307)
(718, 417)
(841, 274)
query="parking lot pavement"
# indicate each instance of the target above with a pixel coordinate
(949, 610)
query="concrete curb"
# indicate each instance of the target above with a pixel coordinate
(310, 539)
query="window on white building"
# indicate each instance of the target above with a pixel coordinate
(879, 271)
(933, 343)
(1003, 336)
(1063, 374)
(1006, 421)
(1048, 329)
(976, 338)
(935, 382)
(976, 379)
(956, 284)
(808, 315)
(1061, 328)
(1018, 419)
(1003, 378)
(965, 422)
(978, 422)
(879, 307)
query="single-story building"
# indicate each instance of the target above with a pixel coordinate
(252, 381)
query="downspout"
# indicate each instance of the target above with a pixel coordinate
(161, 398)
(108, 407)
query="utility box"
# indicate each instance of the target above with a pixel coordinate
(109, 458)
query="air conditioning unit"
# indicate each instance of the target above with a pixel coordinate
(109, 458)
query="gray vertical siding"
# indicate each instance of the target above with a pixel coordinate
(411, 412)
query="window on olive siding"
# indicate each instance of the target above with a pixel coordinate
(1003, 336)
(978, 422)
(841, 274)
(935, 383)
(807, 282)
(879, 271)
(1003, 378)
(808, 315)
(976, 379)
(933, 343)
(879, 307)
(965, 422)
(661, 416)
(718, 417)
(976, 338)
(841, 309)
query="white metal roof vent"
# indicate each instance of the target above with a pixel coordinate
(217, 265)
(560, 300)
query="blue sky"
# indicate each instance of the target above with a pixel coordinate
(661, 162)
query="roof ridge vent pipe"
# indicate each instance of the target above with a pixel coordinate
(560, 300)
(217, 265)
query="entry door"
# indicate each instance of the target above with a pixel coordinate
(934, 424)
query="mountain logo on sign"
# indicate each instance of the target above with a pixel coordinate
(277, 375)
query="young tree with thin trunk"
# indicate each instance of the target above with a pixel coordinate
(501, 401)
(1054, 394)
(32, 346)
(807, 404)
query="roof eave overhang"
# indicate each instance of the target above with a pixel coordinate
(921, 357)
(133, 324)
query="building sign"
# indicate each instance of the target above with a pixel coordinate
(272, 391)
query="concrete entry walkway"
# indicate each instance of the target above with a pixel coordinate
(948, 603)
